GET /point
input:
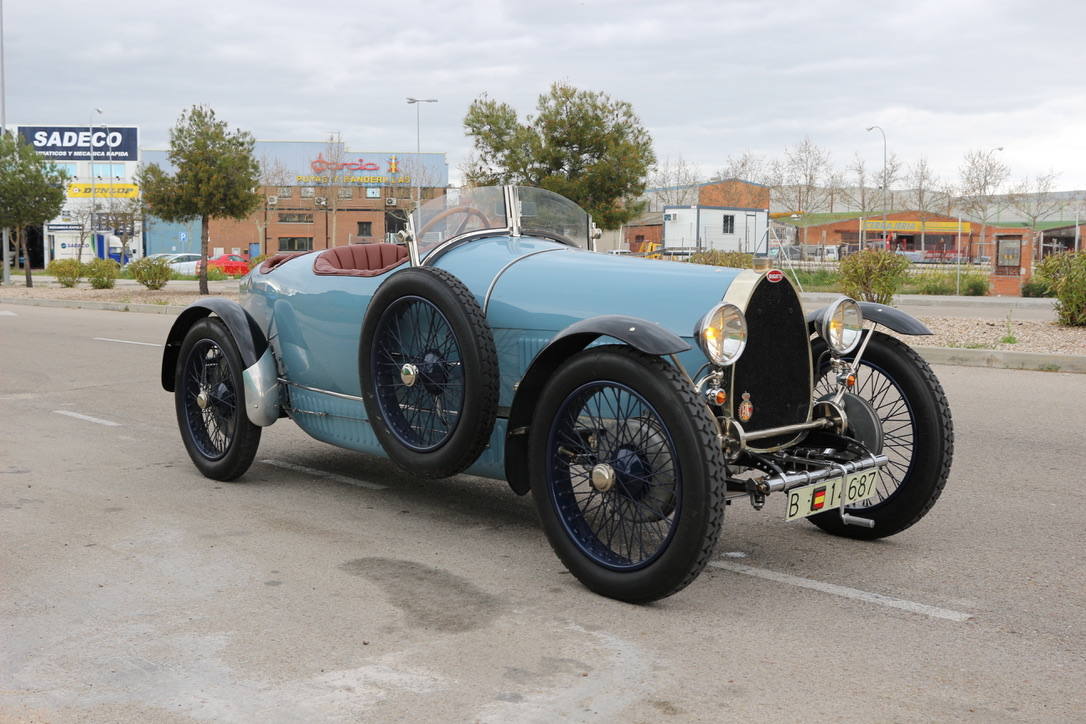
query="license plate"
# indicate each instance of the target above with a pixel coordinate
(826, 495)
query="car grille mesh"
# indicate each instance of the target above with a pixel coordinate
(775, 367)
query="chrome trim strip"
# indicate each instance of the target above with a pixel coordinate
(285, 381)
(512, 209)
(260, 386)
(494, 281)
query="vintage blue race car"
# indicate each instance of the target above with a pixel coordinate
(634, 398)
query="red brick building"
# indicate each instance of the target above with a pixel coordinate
(648, 229)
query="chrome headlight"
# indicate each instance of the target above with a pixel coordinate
(842, 325)
(722, 334)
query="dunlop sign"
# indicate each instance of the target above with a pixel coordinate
(104, 191)
(80, 143)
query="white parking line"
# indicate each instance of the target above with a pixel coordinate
(844, 591)
(126, 341)
(322, 474)
(6, 313)
(88, 418)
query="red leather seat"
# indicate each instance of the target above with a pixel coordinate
(360, 260)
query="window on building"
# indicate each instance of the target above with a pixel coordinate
(345, 192)
(295, 218)
(729, 224)
(109, 170)
(68, 168)
(365, 228)
(639, 239)
(295, 243)
(373, 192)
(285, 192)
(308, 192)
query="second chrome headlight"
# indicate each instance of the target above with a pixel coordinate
(842, 325)
(722, 334)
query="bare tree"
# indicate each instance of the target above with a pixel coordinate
(891, 174)
(333, 156)
(672, 182)
(748, 167)
(982, 176)
(801, 184)
(923, 195)
(836, 189)
(273, 174)
(860, 195)
(1035, 198)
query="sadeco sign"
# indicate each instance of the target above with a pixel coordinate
(78, 143)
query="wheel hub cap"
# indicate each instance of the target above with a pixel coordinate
(408, 374)
(201, 400)
(603, 477)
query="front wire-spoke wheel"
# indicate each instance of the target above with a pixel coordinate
(209, 402)
(918, 435)
(627, 474)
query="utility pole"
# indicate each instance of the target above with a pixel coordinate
(94, 187)
(885, 185)
(418, 145)
(5, 276)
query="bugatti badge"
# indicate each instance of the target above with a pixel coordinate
(746, 408)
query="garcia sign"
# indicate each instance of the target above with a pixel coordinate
(76, 143)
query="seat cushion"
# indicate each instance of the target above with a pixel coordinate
(360, 260)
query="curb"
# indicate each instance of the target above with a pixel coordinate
(1002, 359)
(997, 359)
(106, 306)
(933, 300)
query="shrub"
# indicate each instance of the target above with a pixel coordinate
(873, 275)
(257, 261)
(935, 283)
(1065, 274)
(214, 274)
(715, 257)
(1036, 287)
(826, 279)
(67, 271)
(151, 272)
(975, 285)
(102, 273)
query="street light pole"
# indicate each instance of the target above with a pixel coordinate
(94, 185)
(885, 185)
(418, 144)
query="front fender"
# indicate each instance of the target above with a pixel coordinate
(246, 332)
(643, 335)
(891, 317)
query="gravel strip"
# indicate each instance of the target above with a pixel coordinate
(1029, 336)
(126, 295)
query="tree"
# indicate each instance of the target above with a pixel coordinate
(580, 144)
(982, 176)
(1036, 199)
(748, 167)
(216, 176)
(802, 183)
(673, 183)
(924, 197)
(860, 196)
(273, 175)
(31, 191)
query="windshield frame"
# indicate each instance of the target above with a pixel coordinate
(511, 228)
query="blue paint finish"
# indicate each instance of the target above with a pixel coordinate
(314, 322)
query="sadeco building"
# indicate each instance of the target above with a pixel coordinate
(314, 195)
(100, 161)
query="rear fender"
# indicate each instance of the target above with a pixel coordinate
(640, 334)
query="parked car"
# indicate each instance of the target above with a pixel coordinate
(633, 398)
(184, 263)
(231, 264)
(915, 257)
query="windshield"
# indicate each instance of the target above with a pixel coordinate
(537, 212)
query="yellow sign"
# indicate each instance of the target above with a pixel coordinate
(931, 227)
(105, 191)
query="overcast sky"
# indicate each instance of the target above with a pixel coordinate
(709, 79)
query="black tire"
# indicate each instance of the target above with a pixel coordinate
(919, 436)
(669, 475)
(217, 435)
(439, 426)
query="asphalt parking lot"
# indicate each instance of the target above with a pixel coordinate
(327, 586)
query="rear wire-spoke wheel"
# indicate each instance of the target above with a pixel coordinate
(209, 401)
(419, 374)
(918, 432)
(429, 372)
(627, 474)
